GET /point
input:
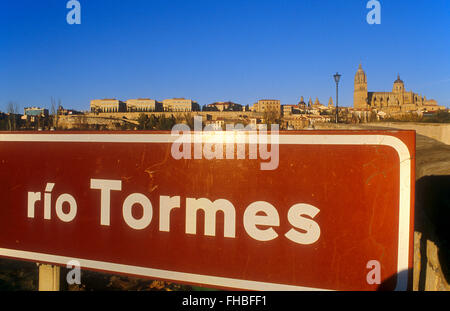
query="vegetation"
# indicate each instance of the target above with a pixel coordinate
(407, 117)
(153, 122)
(272, 117)
(206, 108)
(188, 119)
(441, 116)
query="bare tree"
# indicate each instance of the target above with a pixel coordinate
(272, 117)
(57, 113)
(13, 110)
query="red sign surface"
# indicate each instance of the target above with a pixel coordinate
(335, 210)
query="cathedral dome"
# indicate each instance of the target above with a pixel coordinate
(398, 85)
(398, 80)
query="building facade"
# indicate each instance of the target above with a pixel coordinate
(35, 112)
(397, 101)
(143, 104)
(108, 105)
(287, 109)
(180, 104)
(297, 122)
(266, 105)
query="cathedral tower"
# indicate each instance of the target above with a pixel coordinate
(360, 91)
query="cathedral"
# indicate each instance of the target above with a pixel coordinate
(397, 101)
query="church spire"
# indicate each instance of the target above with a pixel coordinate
(330, 102)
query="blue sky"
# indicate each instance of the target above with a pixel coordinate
(218, 50)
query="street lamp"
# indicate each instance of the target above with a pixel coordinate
(336, 79)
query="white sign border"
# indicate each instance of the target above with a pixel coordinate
(291, 139)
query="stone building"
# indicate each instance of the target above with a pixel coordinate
(35, 112)
(397, 101)
(108, 105)
(180, 104)
(289, 109)
(143, 104)
(301, 104)
(295, 122)
(266, 105)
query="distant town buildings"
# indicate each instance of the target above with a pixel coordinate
(310, 108)
(298, 122)
(397, 101)
(367, 107)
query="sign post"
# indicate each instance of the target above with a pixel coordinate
(295, 210)
(48, 277)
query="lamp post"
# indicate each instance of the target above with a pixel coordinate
(336, 79)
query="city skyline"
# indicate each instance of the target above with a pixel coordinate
(219, 51)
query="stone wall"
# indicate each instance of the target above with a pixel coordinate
(431, 234)
(113, 120)
(438, 131)
(84, 121)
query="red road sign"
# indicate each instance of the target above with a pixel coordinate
(336, 203)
